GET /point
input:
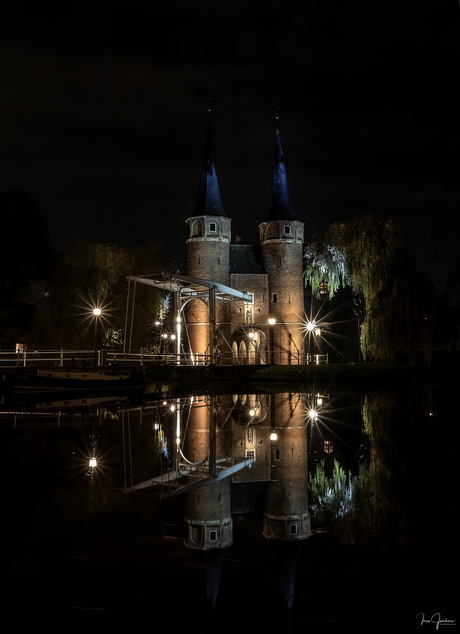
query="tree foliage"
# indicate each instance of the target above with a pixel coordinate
(24, 262)
(366, 254)
(359, 252)
(94, 275)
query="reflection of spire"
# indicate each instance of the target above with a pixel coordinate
(213, 561)
(208, 201)
(281, 207)
(288, 554)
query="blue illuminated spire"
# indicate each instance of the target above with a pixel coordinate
(208, 202)
(281, 206)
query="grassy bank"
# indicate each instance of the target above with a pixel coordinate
(353, 377)
(369, 375)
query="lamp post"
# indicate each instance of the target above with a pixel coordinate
(271, 322)
(178, 338)
(97, 313)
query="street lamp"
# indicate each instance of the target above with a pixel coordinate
(313, 414)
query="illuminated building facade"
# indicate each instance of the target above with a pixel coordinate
(271, 272)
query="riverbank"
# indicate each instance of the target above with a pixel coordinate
(358, 376)
(354, 377)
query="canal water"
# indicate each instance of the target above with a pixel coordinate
(292, 509)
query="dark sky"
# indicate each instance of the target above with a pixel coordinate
(103, 114)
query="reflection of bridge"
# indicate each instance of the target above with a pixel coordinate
(213, 442)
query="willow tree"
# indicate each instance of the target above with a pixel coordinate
(360, 253)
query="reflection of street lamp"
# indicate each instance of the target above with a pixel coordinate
(271, 322)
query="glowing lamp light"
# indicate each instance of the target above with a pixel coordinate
(93, 463)
(272, 321)
(97, 311)
(313, 414)
(252, 412)
(311, 326)
(251, 335)
(317, 331)
(273, 435)
(173, 407)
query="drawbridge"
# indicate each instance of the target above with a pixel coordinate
(184, 289)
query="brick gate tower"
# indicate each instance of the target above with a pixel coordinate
(208, 239)
(281, 239)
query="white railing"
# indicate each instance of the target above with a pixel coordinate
(83, 358)
(64, 358)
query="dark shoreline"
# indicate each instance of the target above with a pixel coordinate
(352, 377)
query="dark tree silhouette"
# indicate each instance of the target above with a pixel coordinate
(24, 262)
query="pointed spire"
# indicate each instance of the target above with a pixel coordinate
(208, 201)
(281, 206)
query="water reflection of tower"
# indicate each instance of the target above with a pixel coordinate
(286, 515)
(208, 508)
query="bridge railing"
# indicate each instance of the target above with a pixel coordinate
(83, 358)
(64, 358)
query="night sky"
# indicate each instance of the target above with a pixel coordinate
(103, 114)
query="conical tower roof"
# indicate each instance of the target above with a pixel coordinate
(281, 206)
(208, 202)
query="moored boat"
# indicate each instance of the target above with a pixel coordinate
(72, 378)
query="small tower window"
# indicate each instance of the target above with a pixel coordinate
(287, 230)
(212, 226)
(274, 298)
(212, 536)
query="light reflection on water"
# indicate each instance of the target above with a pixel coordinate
(257, 539)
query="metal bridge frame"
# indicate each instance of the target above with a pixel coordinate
(185, 289)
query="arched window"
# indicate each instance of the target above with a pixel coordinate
(197, 229)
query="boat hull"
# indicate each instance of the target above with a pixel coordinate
(68, 378)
